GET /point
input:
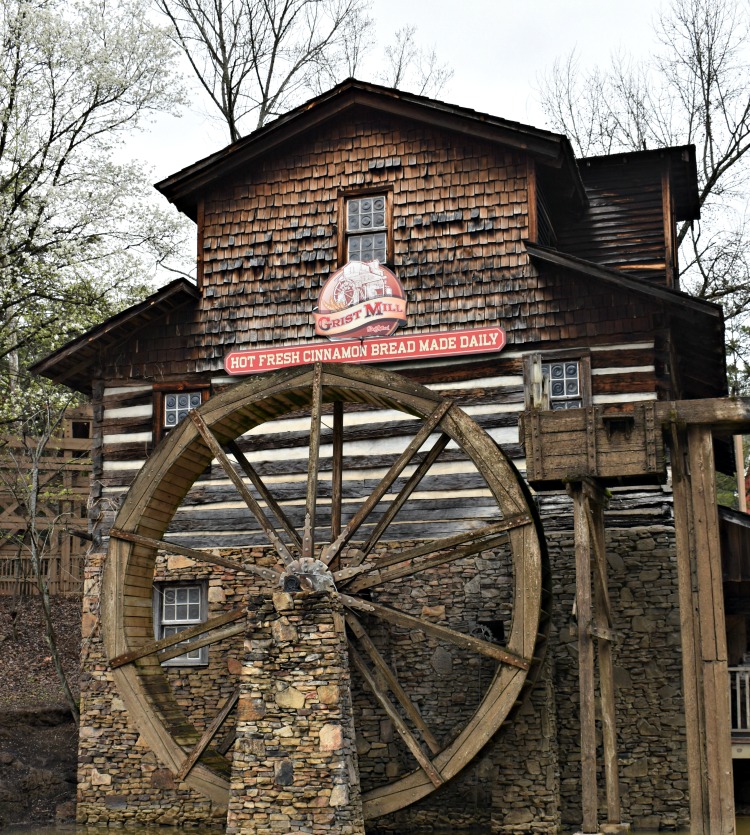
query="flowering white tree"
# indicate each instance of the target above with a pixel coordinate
(79, 234)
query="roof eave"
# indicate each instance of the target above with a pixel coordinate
(550, 148)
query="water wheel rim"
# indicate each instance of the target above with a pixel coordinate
(166, 478)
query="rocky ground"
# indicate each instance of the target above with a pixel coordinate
(38, 737)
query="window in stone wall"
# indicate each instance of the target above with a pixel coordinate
(178, 606)
(366, 224)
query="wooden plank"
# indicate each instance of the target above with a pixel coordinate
(603, 622)
(408, 737)
(586, 682)
(264, 492)
(378, 577)
(208, 735)
(171, 640)
(337, 469)
(393, 473)
(444, 633)
(406, 491)
(412, 711)
(254, 507)
(213, 637)
(194, 554)
(313, 462)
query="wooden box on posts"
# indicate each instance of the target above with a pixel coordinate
(619, 444)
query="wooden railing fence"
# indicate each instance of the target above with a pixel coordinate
(64, 478)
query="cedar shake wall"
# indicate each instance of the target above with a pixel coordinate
(459, 216)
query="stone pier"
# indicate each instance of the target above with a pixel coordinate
(294, 767)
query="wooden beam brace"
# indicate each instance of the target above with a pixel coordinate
(411, 743)
(200, 556)
(393, 473)
(398, 691)
(178, 637)
(444, 633)
(208, 735)
(215, 447)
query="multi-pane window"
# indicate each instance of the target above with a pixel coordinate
(563, 384)
(178, 607)
(366, 233)
(178, 404)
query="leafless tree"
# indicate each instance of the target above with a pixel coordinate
(257, 58)
(411, 67)
(693, 90)
(24, 464)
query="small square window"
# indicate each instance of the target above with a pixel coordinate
(563, 384)
(178, 404)
(366, 228)
(177, 607)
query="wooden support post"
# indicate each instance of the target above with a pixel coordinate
(705, 669)
(597, 501)
(586, 684)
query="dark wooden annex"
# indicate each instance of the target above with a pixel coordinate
(486, 223)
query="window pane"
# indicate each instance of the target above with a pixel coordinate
(176, 406)
(563, 380)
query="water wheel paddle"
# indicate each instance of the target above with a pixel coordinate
(413, 601)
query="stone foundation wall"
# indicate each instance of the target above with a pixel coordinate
(534, 760)
(648, 677)
(295, 764)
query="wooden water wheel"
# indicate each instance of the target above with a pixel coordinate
(426, 602)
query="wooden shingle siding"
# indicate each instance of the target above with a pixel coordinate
(624, 225)
(459, 216)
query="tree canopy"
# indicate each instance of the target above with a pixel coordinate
(79, 234)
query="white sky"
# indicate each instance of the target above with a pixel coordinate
(497, 48)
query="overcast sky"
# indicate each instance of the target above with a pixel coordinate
(497, 48)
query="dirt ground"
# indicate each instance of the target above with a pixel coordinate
(38, 738)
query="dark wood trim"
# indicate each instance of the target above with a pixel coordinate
(200, 222)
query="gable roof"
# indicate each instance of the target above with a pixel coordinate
(71, 364)
(550, 149)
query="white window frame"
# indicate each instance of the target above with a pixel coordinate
(164, 626)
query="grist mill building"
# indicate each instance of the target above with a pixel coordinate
(314, 465)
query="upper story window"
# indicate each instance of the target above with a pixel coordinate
(366, 228)
(560, 380)
(563, 384)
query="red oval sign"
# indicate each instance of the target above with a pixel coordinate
(360, 300)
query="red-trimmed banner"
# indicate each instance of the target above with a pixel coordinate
(392, 349)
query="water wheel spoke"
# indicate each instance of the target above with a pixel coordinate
(444, 633)
(311, 496)
(217, 626)
(398, 723)
(264, 493)
(393, 473)
(393, 683)
(404, 494)
(337, 468)
(208, 735)
(434, 546)
(378, 577)
(213, 444)
(200, 556)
